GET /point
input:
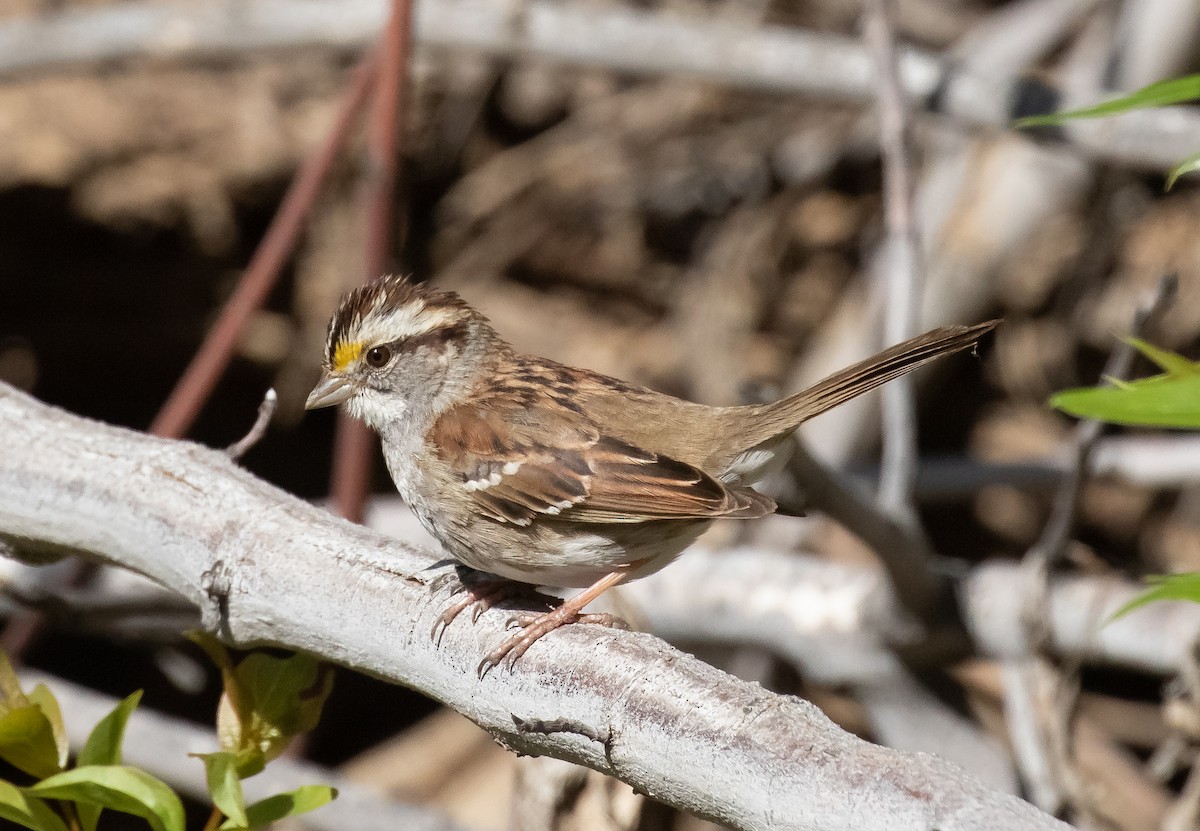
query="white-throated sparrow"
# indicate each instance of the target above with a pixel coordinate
(552, 475)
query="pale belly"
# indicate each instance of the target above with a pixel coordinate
(549, 552)
(553, 553)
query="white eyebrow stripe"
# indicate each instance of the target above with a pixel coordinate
(406, 322)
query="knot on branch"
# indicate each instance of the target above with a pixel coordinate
(217, 583)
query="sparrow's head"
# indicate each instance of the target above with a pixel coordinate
(394, 346)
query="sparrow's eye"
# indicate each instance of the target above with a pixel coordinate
(378, 356)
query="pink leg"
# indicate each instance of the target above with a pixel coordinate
(569, 612)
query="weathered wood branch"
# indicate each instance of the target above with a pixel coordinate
(267, 568)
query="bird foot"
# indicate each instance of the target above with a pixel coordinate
(482, 592)
(533, 626)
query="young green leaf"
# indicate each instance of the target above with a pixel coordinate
(1188, 165)
(224, 786)
(1169, 362)
(1161, 401)
(27, 741)
(274, 808)
(1184, 586)
(41, 697)
(285, 696)
(1161, 94)
(103, 747)
(27, 811)
(121, 788)
(250, 762)
(11, 695)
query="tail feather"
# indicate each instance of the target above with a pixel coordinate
(786, 415)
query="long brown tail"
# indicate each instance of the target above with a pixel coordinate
(864, 376)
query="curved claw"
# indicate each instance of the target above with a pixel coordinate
(533, 628)
(447, 617)
(481, 597)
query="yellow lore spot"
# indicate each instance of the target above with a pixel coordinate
(346, 354)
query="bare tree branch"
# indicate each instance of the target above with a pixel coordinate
(900, 546)
(266, 410)
(267, 568)
(767, 58)
(898, 261)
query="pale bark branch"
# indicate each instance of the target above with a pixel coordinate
(838, 622)
(267, 568)
(764, 58)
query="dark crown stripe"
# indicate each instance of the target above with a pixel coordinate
(385, 294)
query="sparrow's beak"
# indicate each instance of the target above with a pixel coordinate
(330, 391)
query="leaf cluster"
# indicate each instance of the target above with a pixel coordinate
(265, 703)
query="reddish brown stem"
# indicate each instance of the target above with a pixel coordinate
(353, 446)
(214, 354)
(350, 484)
(385, 139)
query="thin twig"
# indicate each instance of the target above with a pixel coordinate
(214, 819)
(898, 259)
(1057, 532)
(266, 410)
(354, 445)
(1052, 685)
(900, 547)
(214, 354)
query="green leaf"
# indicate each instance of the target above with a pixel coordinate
(250, 762)
(1169, 362)
(267, 701)
(284, 697)
(41, 697)
(11, 696)
(103, 747)
(1161, 401)
(1164, 93)
(27, 741)
(27, 811)
(224, 787)
(274, 808)
(1164, 587)
(1188, 165)
(121, 788)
